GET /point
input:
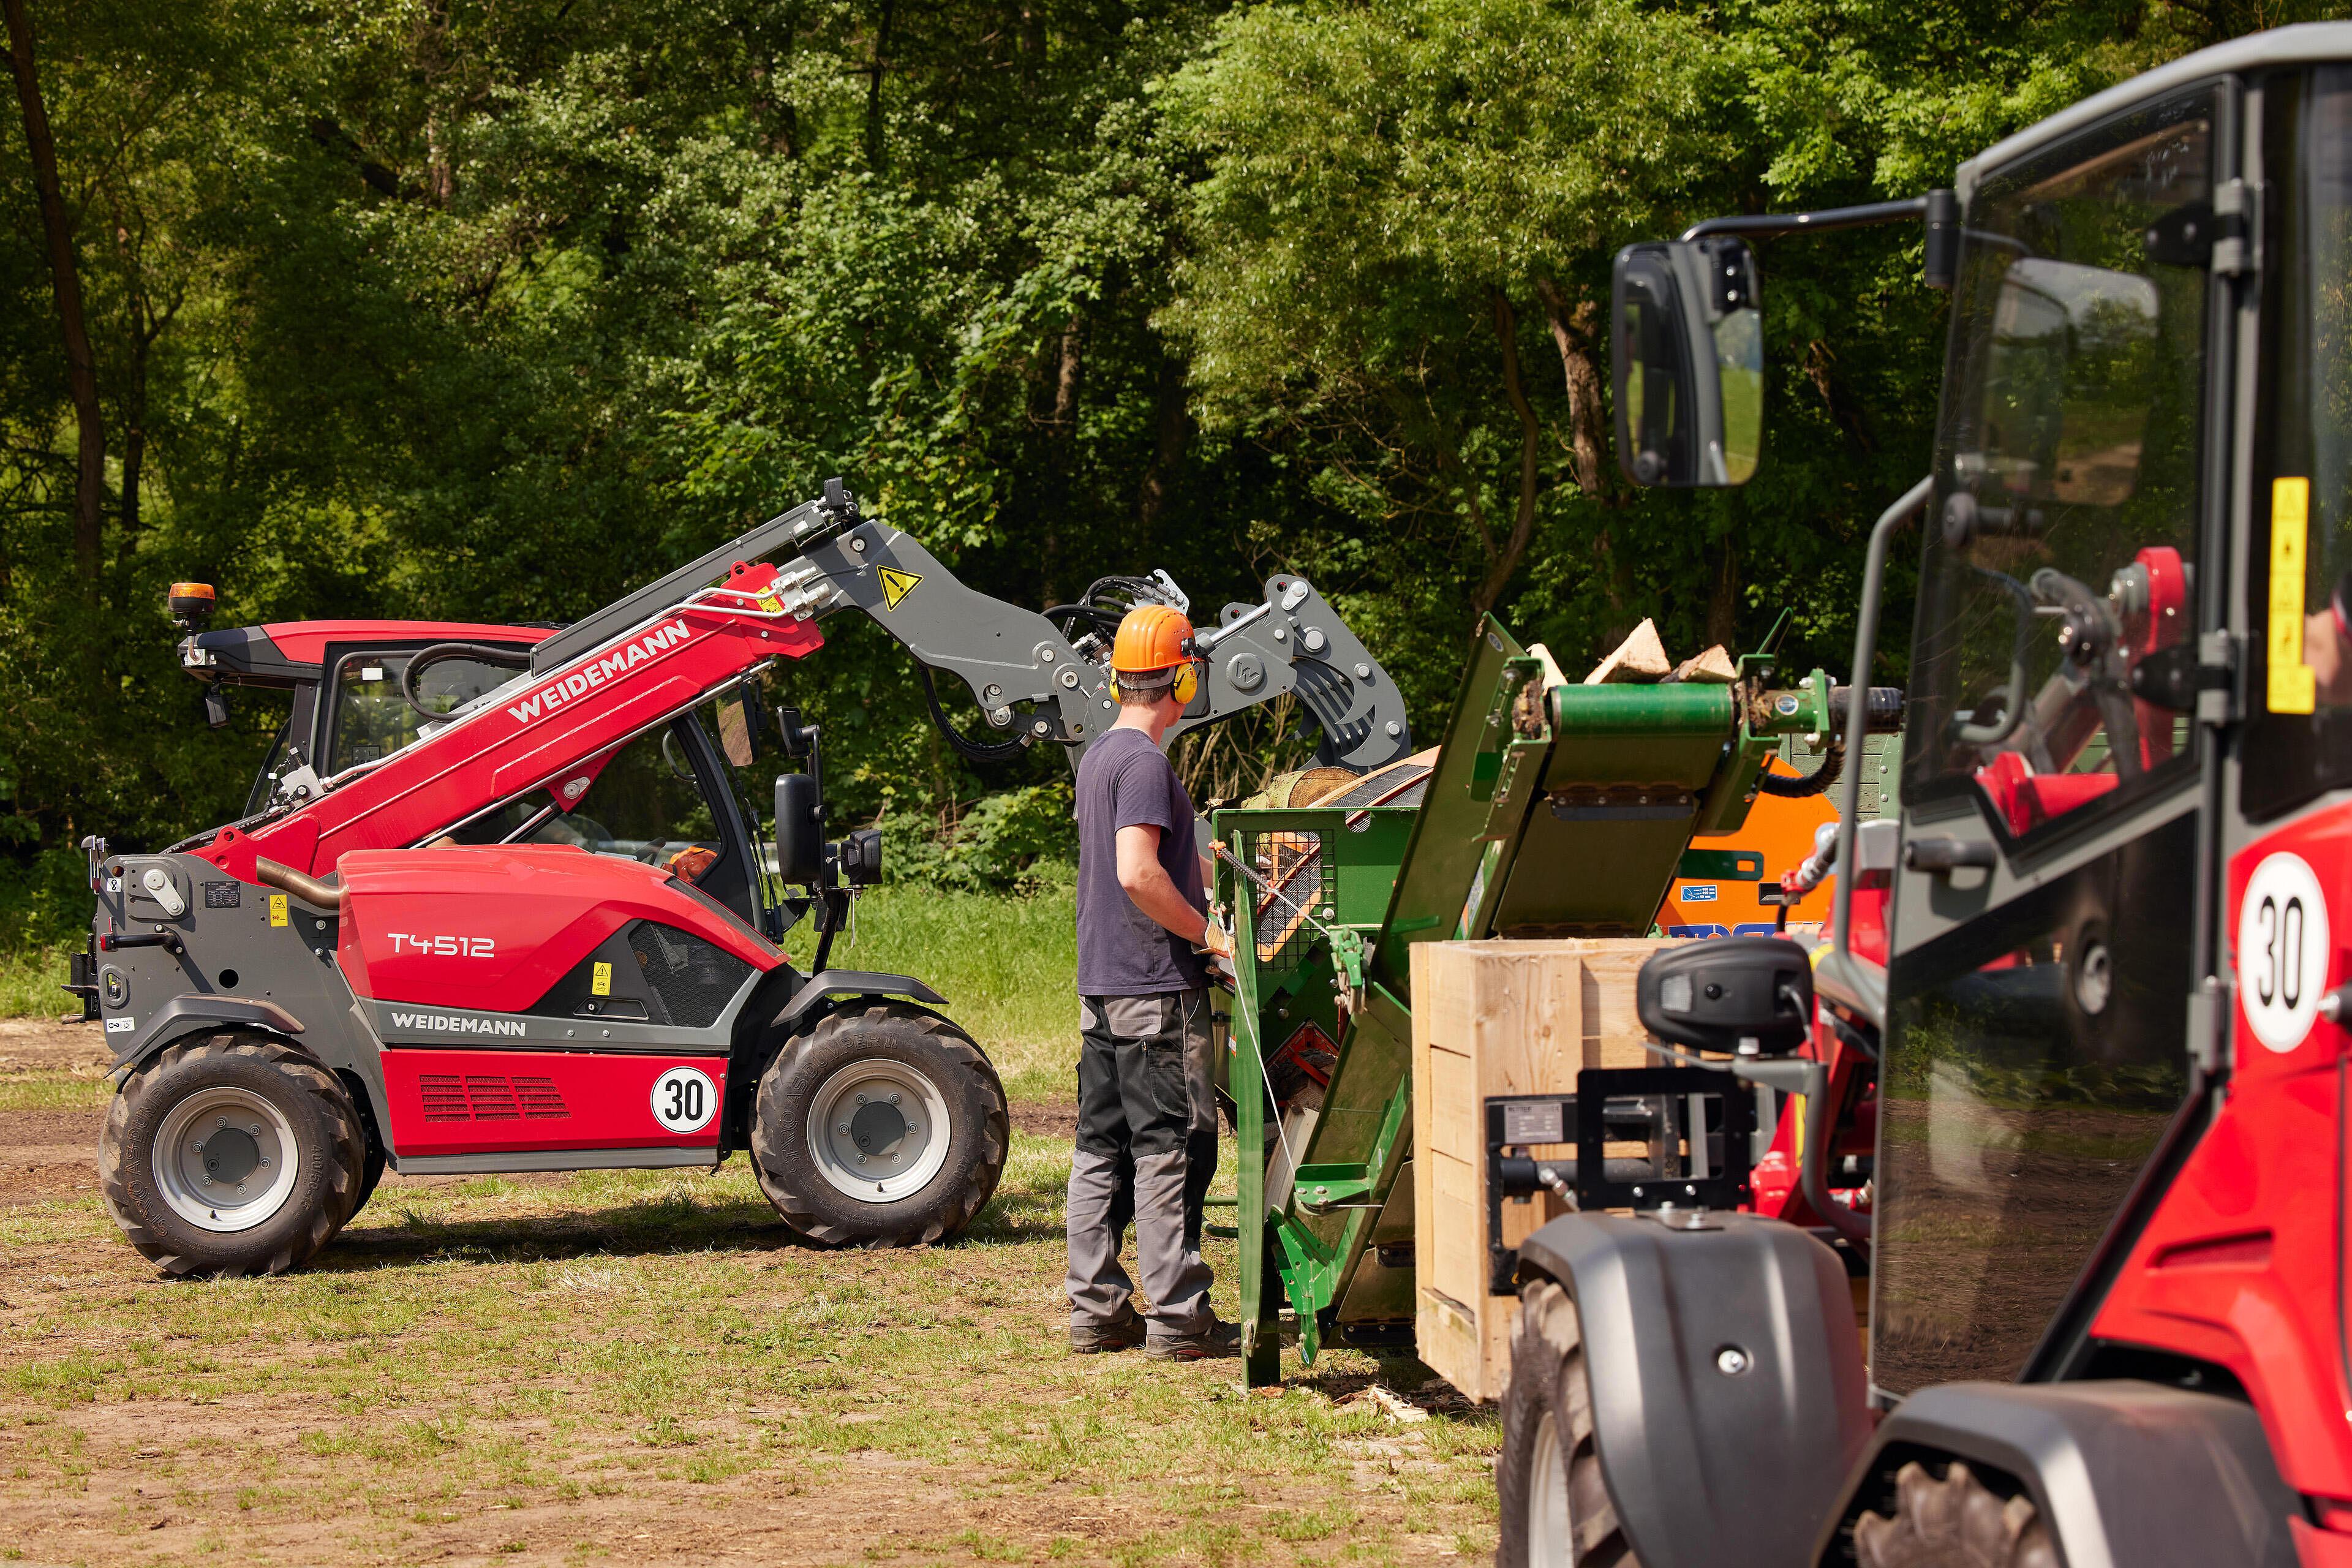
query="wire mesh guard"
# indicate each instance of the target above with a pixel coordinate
(1304, 884)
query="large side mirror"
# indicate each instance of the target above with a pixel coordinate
(1686, 347)
(800, 830)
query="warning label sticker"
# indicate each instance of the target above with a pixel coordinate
(897, 585)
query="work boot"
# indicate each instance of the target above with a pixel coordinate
(1214, 1343)
(1121, 1333)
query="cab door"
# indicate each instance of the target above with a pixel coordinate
(2045, 941)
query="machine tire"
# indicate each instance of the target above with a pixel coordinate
(371, 1172)
(311, 1111)
(890, 1042)
(1955, 1522)
(1556, 1508)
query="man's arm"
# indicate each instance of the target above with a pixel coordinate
(1146, 881)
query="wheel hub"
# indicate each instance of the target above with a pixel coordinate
(224, 1159)
(878, 1129)
(231, 1153)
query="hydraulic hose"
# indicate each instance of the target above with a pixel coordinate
(1812, 1168)
(970, 749)
(1812, 783)
(308, 888)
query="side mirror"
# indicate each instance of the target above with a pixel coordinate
(1745, 996)
(800, 830)
(861, 857)
(1686, 351)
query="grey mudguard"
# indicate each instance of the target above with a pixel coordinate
(854, 982)
(1707, 1467)
(2126, 1473)
(186, 1015)
(1293, 641)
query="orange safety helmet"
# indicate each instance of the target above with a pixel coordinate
(1153, 637)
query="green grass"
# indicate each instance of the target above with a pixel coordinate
(1008, 967)
(29, 982)
(53, 1091)
(550, 1368)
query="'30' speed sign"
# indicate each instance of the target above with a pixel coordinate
(2283, 951)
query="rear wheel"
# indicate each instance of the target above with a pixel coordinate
(233, 1155)
(1556, 1508)
(1955, 1522)
(883, 1126)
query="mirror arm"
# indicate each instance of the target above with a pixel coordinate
(1800, 223)
(1939, 264)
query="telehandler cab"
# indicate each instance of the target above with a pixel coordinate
(502, 900)
(2106, 1008)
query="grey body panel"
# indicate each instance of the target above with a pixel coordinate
(2125, 1472)
(1294, 641)
(232, 964)
(1766, 1447)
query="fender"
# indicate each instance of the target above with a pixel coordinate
(2125, 1472)
(851, 983)
(188, 1014)
(1768, 1443)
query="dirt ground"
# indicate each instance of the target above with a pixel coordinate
(643, 1366)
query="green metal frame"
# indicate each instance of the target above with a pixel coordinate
(1550, 810)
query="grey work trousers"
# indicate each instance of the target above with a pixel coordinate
(1147, 1148)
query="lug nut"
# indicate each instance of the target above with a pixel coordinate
(843, 1130)
(894, 1100)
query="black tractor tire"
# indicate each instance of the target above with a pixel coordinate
(929, 1192)
(307, 1114)
(371, 1172)
(1956, 1522)
(1556, 1511)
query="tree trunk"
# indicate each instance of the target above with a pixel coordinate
(65, 279)
(1573, 327)
(1175, 430)
(877, 152)
(1505, 560)
(1723, 596)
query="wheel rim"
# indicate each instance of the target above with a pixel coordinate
(1551, 1537)
(878, 1131)
(226, 1159)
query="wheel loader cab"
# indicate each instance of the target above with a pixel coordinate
(342, 680)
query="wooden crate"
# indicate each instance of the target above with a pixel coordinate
(1497, 1018)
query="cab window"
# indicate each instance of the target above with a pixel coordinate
(649, 803)
(2298, 740)
(2057, 597)
(370, 718)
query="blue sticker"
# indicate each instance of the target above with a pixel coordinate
(1698, 892)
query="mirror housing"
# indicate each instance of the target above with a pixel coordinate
(1687, 358)
(1743, 995)
(861, 857)
(800, 830)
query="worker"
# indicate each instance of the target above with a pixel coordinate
(1144, 1100)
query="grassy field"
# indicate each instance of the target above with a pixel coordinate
(641, 1366)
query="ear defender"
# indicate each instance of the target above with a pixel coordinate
(1188, 682)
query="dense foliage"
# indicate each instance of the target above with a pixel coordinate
(441, 307)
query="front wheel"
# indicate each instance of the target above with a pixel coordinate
(1557, 1512)
(233, 1154)
(883, 1126)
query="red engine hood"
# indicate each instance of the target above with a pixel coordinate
(493, 928)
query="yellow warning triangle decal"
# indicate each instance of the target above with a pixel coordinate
(897, 585)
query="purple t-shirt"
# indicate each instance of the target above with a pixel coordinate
(1124, 781)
